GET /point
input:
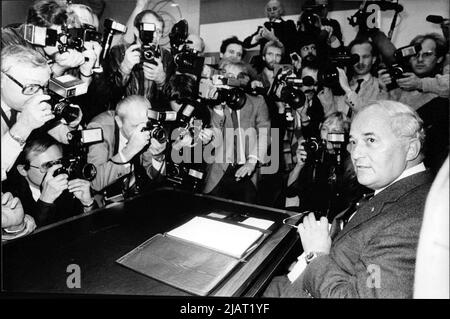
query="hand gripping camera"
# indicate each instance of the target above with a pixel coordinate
(229, 91)
(155, 124)
(401, 65)
(286, 88)
(328, 76)
(149, 50)
(61, 89)
(75, 165)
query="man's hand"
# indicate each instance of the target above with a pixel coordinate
(155, 72)
(343, 81)
(12, 211)
(70, 59)
(301, 154)
(131, 58)
(314, 234)
(53, 186)
(384, 79)
(409, 82)
(205, 135)
(138, 140)
(268, 34)
(92, 53)
(297, 63)
(35, 112)
(81, 189)
(156, 148)
(246, 169)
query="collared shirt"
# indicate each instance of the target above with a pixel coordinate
(407, 172)
(35, 192)
(10, 147)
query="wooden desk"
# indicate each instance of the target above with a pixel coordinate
(39, 262)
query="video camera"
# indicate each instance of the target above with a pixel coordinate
(286, 87)
(149, 50)
(229, 90)
(61, 89)
(155, 124)
(328, 75)
(186, 59)
(401, 64)
(76, 165)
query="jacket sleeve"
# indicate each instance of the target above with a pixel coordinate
(384, 270)
(107, 170)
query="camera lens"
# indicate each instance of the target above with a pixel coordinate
(89, 172)
(158, 134)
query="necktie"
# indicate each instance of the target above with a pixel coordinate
(358, 87)
(342, 220)
(235, 136)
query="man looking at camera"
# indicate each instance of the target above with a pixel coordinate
(370, 250)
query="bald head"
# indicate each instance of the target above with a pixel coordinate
(274, 10)
(131, 112)
(196, 43)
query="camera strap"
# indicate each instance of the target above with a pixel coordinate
(116, 137)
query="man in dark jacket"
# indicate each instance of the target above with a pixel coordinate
(370, 253)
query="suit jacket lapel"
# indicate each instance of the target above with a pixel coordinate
(389, 195)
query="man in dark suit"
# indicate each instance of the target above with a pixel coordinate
(374, 254)
(232, 174)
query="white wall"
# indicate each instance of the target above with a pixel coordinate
(410, 23)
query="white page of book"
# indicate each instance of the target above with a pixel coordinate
(230, 239)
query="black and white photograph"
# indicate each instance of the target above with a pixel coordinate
(225, 158)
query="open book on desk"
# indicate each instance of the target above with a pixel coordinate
(195, 256)
(228, 238)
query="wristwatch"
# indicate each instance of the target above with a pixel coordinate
(18, 139)
(311, 255)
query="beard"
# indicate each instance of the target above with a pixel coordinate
(310, 57)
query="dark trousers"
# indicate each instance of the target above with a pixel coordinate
(243, 190)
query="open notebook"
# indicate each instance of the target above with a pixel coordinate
(227, 238)
(195, 256)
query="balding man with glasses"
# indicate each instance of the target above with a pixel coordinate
(24, 108)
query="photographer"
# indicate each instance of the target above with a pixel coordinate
(45, 196)
(324, 179)
(127, 145)
(52, 15)
(363, 86)
(231, 173)
(143, 67)
(25, 107)
(232, 49)
(15, 223)
(427, 79)
(276, 29)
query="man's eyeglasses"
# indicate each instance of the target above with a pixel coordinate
(28, 89)
(423, 55)
(43, 168)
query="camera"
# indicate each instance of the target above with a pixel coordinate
(40, 35)
(76, 37)
(229, 91)
(155, 124)
(328, 75)
(75, 165)
(61, 89)
(315, 149)
(310, 18)
(188, 177)
(111, 27)
(149, 50)
(286, 88)
(401, 65)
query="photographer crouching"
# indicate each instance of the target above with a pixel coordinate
(132, 152)
(49, 188)
(323, 178)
